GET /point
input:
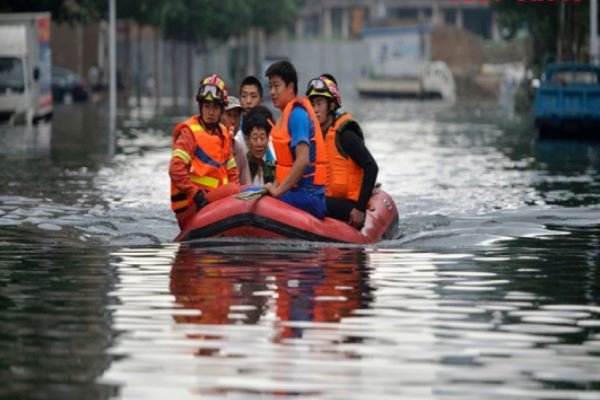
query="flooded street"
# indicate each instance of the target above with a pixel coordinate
(491, 290)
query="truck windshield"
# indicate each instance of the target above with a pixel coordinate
(11, 75)
(572, 77)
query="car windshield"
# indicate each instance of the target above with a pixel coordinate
(11, 75)
(62, 76)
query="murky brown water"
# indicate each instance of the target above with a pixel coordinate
(491, 292)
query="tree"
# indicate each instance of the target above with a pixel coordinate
(559, 29)
(273, 15)
(62, 10)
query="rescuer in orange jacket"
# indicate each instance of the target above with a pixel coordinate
(351, 169)
(301, 169)
(202, 167)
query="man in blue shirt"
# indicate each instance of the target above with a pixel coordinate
(301, 166)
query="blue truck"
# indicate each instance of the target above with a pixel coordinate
(567, 102)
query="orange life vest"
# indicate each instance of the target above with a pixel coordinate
(344, 176)
(282, 139)
(209, 163)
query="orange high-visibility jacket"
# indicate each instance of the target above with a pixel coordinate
(209, 163)
(344, 176)
(281, 143)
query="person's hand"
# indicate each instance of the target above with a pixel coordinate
(272, 188)
(200, 200)
(357, 218)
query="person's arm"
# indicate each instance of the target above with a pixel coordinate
(355, 147)
(302, 160)
(233, 174)
(179, 166)
(242, 163)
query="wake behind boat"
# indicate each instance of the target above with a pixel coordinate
(267, 217)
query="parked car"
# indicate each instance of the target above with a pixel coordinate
(68, 86)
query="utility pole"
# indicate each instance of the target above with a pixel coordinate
(561, 32)
(594, 59)
(112, 88)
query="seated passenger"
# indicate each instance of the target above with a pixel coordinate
(351, 169)
(231, 118)
(251, 95)
(301, 169)
(256, 130)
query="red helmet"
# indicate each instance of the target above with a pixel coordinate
(212, 88)
(323, 86)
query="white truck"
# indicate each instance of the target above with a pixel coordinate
(25, 68)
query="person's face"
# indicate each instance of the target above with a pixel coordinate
(281, 94)
(321, 107)
(257, 142)
(249, 97)
(211, 112)
(231, 118)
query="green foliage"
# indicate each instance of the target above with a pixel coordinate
(192, 19)
(62, 10)
(273, 15)
(188, 20)
(542, 19)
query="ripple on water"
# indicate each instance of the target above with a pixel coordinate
(490, 294)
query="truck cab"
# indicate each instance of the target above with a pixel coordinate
(567, 102)
(25, 68)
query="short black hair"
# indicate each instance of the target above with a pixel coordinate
(330, 77)
(286, 71)
(258, 116)
(252, 80)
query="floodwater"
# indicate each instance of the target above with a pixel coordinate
(490, 291)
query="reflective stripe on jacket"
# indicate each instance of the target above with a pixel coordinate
(208, 164)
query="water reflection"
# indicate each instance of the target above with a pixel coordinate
(54, 328)
(224, 319)
(25, 141)
(230, 318)
(290, 289)
(568, 156)
(569, 172)
(80, 135)
(493, 292)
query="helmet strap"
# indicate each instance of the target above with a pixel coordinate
(332, 110)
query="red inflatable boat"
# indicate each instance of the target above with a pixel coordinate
(268, 217)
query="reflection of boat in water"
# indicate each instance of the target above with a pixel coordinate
(268, 217)
(314, 285)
